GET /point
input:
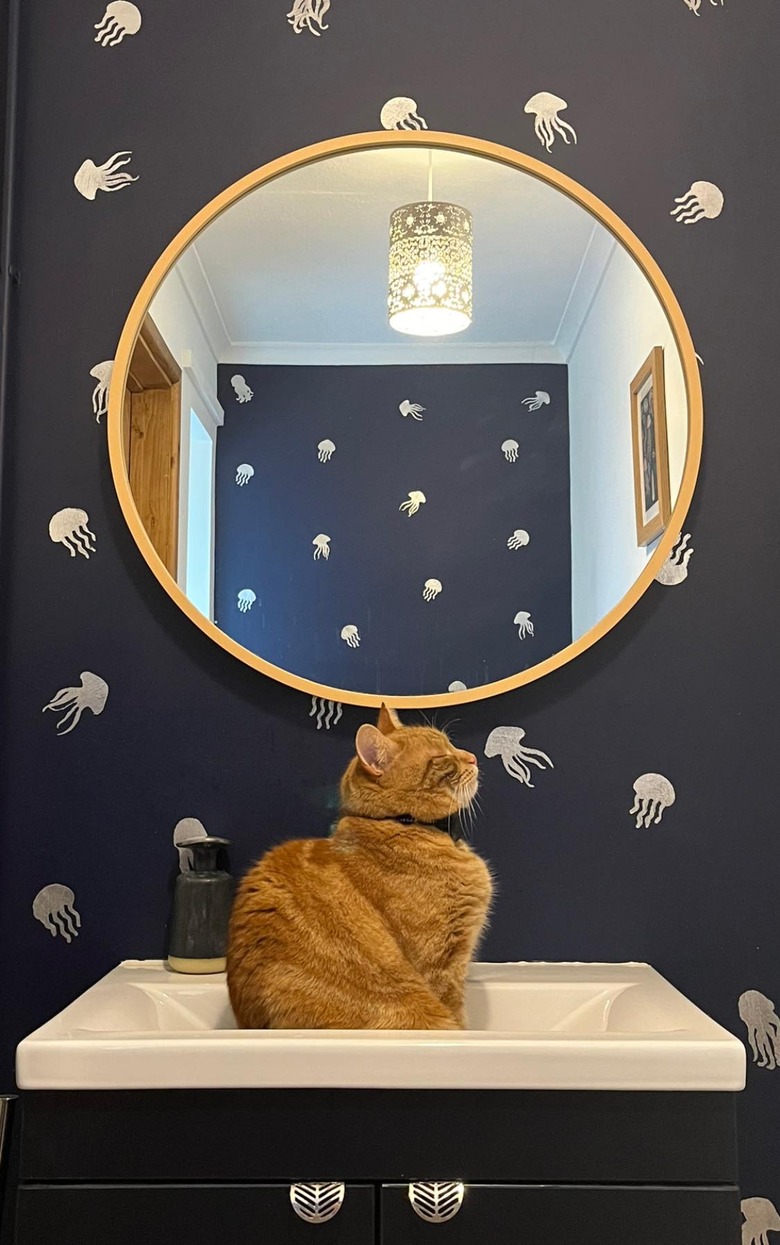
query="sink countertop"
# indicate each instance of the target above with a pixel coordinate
(532, 1026)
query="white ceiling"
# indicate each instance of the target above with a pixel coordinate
(304, 258)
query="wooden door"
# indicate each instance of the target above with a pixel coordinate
(152, 440)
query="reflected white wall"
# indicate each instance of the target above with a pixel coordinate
(623, 323)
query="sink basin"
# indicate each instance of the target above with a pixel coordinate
(531, 1026)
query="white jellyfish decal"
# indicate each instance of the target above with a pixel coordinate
(185, 830)
(518, 539)
(244, 473)
(400, 113)
(245, 600)
(120, 18)
(541, 398)
(546, 107)
(411, 408)
(350, 634)
(675, 568)
(321, 546)
(523, 623)
(241, 388)
(328, 712)
(102, 373)
(70, 527)
(506, 742)
(457, 686)
(431, 589)
(89, 178)
(652, 794)
(325, 450)
(416, 499)
(306, 14)
(55, 908)
(92, 694)
(760, 1218)
(763, 1026)
(510, 450)
(703, 200)
(695, 5)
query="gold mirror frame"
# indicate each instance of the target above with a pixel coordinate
(365, 142)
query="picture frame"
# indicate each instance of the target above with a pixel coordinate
(652, 492)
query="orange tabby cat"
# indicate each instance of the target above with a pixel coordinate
(375, 927)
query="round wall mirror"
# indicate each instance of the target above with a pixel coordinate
(405, 416)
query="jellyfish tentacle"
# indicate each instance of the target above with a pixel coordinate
(76, 709)
(531, 753)
(57, 919)
(73, 916)
(62, 698)
(329, 713)
(339, 712)
(321, 713)
(49, 925)
(515, 766)
(562, 126)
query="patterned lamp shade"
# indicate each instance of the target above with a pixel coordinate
(430, 269)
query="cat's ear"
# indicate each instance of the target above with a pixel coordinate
(374, 749)
(388, 720)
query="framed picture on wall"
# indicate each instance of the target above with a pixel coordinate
(652, 495)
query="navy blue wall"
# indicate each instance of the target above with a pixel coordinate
(380, 557)
(685, 686)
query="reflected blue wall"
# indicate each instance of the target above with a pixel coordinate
(379, 556)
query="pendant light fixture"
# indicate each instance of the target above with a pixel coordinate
(430, 286)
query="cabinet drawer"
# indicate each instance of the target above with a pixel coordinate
(180, 1214)
(589, 1215)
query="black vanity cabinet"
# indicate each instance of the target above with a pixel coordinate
(406, 1167)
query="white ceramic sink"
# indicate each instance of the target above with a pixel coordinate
(531, 1026)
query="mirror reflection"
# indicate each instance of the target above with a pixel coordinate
(405, 421)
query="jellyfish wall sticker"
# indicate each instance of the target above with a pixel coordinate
(120, 18)
(89, 177)
(675, 568)
(506, 742)
(328, 712)
(308, 14)
(761, 1217)
(70, 527)
(704, 201)
(321, 544)
(102, 373)
(416, 499)
(400, 113)
(185, 829)
(241, 389)
(652, 794)
(431, 589)
(325, 450)
(545, 107)
(55, 907)
(411, 408)
(72, 701)
(763, 1028)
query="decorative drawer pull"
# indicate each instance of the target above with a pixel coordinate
(318, 1201)
(436, 1201)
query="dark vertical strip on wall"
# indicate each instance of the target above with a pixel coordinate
(9, 50)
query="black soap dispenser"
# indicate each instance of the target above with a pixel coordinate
(201, 910)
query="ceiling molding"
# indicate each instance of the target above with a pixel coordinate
(585, 287)
(401, 352)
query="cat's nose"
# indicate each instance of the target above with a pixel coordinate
(472, 760)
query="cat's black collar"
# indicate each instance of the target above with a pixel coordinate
(448, 825)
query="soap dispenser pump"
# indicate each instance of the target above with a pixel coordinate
(202, 900)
